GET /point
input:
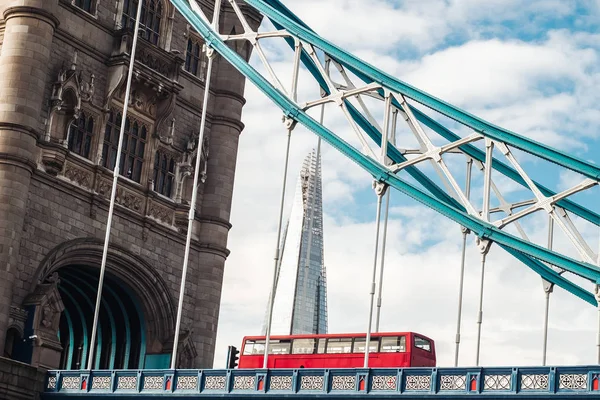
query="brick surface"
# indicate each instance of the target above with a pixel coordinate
(46, 207)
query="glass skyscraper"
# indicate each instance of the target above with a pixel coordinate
(301, 291)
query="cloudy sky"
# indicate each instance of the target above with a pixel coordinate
(527, 65)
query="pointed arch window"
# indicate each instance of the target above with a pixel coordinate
(80, 135)
(150, 19)
(134, 146)
(193, 60)
(164, 173)
(85, 5)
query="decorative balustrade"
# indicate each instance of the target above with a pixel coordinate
(409, 382)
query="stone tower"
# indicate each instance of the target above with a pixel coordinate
(63, 68)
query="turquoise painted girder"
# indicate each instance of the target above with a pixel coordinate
(387, 81)
(482, 229)
(435, 126)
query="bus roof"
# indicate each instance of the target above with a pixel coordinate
(335, 335)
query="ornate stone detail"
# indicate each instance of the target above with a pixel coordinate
(160, 213)
(187, 383)
(104, 188)
(343, 382)
(280, 383)
(101, 382)
(383, 382)
(496, 382)
(79, 176)
(214, 383)
(154, 382)
(311, 383)
(127, 382)
(129, 200)
(51, 382)
(573, 381)
(418, 382)
(243, 382)
(534, 382)
(71, 383)
(453, 382)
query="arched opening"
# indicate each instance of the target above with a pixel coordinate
(121, 340)
(13, 338)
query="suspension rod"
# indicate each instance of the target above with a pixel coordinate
(277, 254)
(465, 232)
(383, 242)
(548, 287)
(191, 216)
(113, 192)
(480, 313)
(372, 289)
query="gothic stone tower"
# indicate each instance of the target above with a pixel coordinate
(63, 68)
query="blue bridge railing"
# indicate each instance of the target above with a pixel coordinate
(409, 382)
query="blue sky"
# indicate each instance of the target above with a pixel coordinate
(529, 66)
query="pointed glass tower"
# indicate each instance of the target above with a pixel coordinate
(301, 291)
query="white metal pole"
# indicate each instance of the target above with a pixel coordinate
(276, 264)
(465, 232)
(372, 292)
(188, 240)
(480, 313)
(113, 193)
(547, 290)
(383, 242)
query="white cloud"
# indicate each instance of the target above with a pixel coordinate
(507, 81)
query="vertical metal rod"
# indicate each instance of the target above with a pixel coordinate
(480, 314)
(462, 267)
(385, 137)
(279, 224)
(372, 292)
(192, 212)
(598, 337)
(547, 289)
(383, 242)
(113, 193)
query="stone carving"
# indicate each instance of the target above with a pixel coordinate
(160, 213)
(79, 176)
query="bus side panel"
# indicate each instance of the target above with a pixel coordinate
(352, 360)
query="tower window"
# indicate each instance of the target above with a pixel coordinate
(164, 173)
(134, 145)
(80, 135)
(85, 5)
(193, 63)
(150, 18)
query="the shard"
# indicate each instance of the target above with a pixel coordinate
(300, 304)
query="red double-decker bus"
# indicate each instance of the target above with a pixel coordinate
(393, 349)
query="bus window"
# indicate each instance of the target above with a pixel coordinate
(393, 344)
(339, 345)
(254, 347)
(321, 346)
(423, 344)
(359, 345)
(303, 346)
(279, 347)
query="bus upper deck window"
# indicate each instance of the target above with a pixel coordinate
(254, 347)
(321, 346)
(393, 344)
(359, 345)
(280, 347)
(339, 345)
(423, 344)
(303, 346)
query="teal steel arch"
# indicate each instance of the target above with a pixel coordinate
(527, 252)
(71, 338)
(84, 330)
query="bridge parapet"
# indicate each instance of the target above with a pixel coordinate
(414, 382)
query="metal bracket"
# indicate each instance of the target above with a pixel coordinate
(380, 187)
(483, 245)
(289, 122)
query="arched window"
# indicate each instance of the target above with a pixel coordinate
(134, 145)
(164, 173)
(13, 338)
(193, 62)
(80, 135)
(85, 5)
(150, 19)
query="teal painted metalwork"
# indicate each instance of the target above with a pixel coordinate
(84, 331)
(113, 327)
(89, 302)
(482, 229)
(275, 14)
(71, 338)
